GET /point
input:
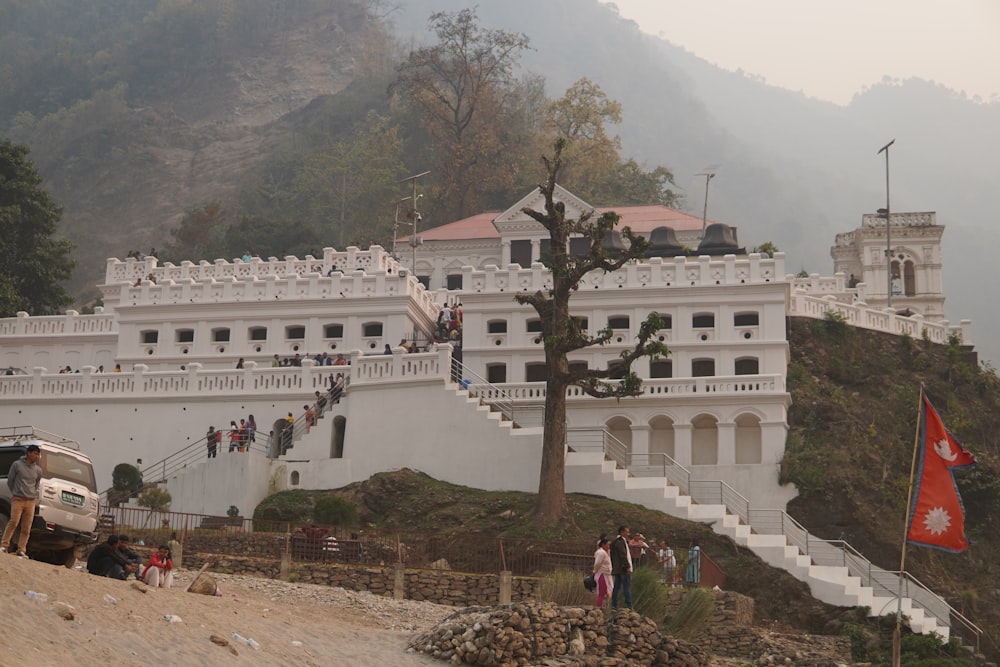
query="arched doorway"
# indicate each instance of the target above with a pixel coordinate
(337, 443)
(748, 439)
(661, 436)
(704, 440)
(620, 428)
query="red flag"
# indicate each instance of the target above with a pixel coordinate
(938, 516)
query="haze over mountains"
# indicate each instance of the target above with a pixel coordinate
(790, 169)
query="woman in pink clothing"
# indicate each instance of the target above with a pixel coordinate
(602, 570)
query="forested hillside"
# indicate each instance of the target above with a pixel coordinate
(852, 425)
(256, 117)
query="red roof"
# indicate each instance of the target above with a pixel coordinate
(642, 220)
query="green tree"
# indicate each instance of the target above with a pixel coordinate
(155, 498)
(356, 179)
(562, 334)
(593, 167)
(33, 261)
(463, 89)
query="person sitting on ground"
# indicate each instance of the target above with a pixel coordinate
(107, 561)
(159, 572)
(131, 557)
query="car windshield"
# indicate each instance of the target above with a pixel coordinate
(69, 468)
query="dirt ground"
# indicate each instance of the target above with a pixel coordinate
(294, 624)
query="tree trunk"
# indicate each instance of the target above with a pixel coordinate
(550, 504)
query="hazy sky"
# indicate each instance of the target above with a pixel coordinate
(831, 49)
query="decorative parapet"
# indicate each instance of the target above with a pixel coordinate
(58, 325)
(926, 219)
(144, 384)
(654, 272)
(835, 286)
(337, 275)
(802, 304)
(373, 260)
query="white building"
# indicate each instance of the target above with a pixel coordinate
(716, 407)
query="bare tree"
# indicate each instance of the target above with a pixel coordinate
(562, 333)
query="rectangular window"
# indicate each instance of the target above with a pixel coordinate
(701, 368)
(185, 335)
(533, 326)
(618, 322)
(496, 327)
(496, 373)
(661, 368)
(150, 337)
(295, 332)
(668, 321)
(520, 253)
(220, 335)
(333, 331)
(372, 330)
(703, 321)
(535, 372)
(747, 366)
(454, 281)
(579, 247)
(258, 333)
(746, 319)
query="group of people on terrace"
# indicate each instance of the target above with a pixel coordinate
(449, 324)
(240, 437)
(617, 558)
(320, 359)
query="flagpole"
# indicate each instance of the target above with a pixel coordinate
(896, 638)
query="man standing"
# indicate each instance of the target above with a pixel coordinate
(621, 568)
(23, 480)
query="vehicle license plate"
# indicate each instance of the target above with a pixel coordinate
(72, 498)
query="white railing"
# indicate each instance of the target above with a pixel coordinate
(525, 392)
(858, 315)
(195, 381)
(58, 325)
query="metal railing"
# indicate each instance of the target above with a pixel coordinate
(495, 397)
(884, 583)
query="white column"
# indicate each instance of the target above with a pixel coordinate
(640, 440)
(504, 253)
(682, 444)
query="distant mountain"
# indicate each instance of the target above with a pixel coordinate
(790, 169)
(179, 110)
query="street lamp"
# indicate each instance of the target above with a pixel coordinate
(709, 175)
(414, 215)
(888, 233)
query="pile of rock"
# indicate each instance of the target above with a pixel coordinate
(535, 633)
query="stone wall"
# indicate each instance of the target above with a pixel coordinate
(438, 586)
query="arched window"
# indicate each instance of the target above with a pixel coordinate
(294, 478)
(536, 372)
(333, 331)
(661, 368)
(258, 333)
(295, 332)
(909, 278)
(703, 320)
(496, 326)
(220, 335)
(746, 319)
(371, 329)
(747, 366)
(618, 322)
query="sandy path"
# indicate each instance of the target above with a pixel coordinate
(294, 624)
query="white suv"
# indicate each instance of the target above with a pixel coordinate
(66, 514)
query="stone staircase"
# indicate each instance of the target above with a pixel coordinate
(835, 573)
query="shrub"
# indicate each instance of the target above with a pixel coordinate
(565, 587)
(154, 498)
(233, 511)
(836, 324)
(692, 614)
(649, 595)
(335, 511)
